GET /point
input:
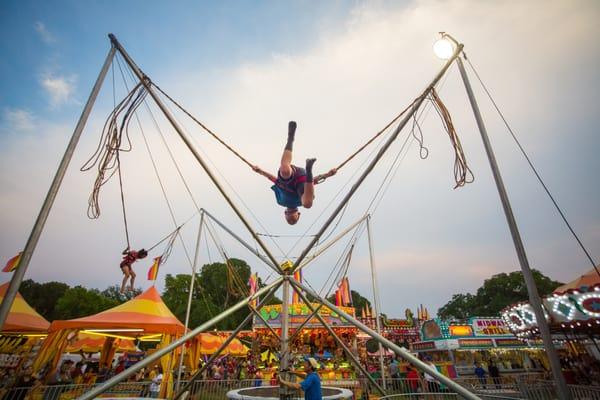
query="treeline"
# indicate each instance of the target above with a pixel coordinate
(218, 286)
(496, 293)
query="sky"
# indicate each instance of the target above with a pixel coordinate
(342, 70)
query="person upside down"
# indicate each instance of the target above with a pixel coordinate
(294, 186)
(129, 257)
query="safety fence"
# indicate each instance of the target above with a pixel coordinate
(506, 388)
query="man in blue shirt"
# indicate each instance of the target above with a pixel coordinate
(294, 186)
(311, 385)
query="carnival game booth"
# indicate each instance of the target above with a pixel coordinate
(572, 312)
(145, 317)
(21, 334)
(313, 340)
(455, 347)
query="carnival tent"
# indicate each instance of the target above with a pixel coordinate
(22, 317)
(583, 282)
(89, 343)
(146, 311)
(142, 315)
(210, 342)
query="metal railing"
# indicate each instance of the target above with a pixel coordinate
(72, 391)
(488, 389)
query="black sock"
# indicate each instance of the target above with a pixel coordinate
(309, 166)
(291, 134)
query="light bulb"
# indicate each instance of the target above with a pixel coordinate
(444, 48)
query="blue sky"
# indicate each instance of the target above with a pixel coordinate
(342, 70)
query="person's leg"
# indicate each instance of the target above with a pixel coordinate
(309, 187)
(132, 281)
(125, 270)
(285, 167)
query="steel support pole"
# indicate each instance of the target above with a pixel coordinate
(375, 298)
(377, 157)
(401, 351)
(145, 80)
(534, 297)
(269, 327)
(190, 296)
(223, 346)
(239, 239)
(339, 341)
(92, 394)
(284, 392)
(298, 330)
(38, 226)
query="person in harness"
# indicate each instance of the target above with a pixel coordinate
(294, 186)
(129, 257)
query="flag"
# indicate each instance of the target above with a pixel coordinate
(344, 289)
(253, 284)
(338, 298)
(153, 271)
(12, 263)
(295, 295)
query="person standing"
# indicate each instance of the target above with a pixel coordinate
(494, 374)
(311, 385)
(156, 382)
(480, 373)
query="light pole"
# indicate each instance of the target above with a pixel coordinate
(443, 48)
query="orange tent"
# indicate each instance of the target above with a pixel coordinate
(21, 317)
(93, 344)
(146, 311)
(585, 281)
(210, 342)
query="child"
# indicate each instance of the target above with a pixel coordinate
(130, 256)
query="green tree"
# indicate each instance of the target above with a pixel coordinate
(496, 293)
(79, 302)
(217, 288)
(43, 297)
(459, 307)
(114, 293)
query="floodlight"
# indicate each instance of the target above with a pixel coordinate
(444, 48)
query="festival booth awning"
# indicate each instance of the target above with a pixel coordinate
(472, 334)
(89, 343)
(574, 306)
(22, 318)
(298, 313)
(209, 343)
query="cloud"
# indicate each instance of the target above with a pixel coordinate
(45, 35)
(16, 119)
(59, 88)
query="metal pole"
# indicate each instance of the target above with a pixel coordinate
(340, 342)
(401, 351)
(92, 394)
(326, 246)
(190, 296)
(534, 297)
(242, 242)
(145, 80)
(269, 327)
(377, 157)
(375, 298)
(223, 346)
(284, 393)
(38, 226)
(298, 330)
